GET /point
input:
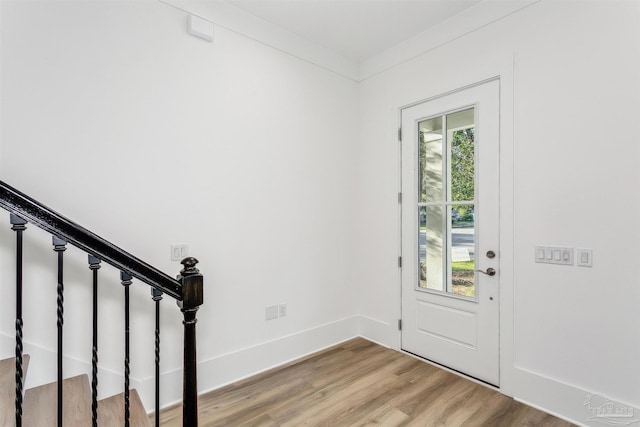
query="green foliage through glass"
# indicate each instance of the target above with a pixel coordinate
(462, 165)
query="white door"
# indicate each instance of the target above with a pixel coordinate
(450, 254)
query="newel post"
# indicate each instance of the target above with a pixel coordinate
(191, 281)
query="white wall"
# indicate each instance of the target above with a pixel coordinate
(570, 72)
(282, 178)
(118, 118)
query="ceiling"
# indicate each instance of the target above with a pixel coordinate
(355, 29)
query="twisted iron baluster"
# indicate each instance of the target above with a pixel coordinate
(157, 297)
(94, 265)
(18, 225)
(125, 278)
(60, 246)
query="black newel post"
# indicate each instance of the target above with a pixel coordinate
(191, 281)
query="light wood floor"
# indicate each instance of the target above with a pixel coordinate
(359, 383)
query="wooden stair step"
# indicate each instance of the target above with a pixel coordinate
(8, 388)
(41, 404)
(111, 411)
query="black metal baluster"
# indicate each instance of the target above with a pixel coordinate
(94, 265)
(157, 297)
(126, 281)
(60, 246)
(18, 225)
(192, 298)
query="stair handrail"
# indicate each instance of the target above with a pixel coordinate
(58, 225)
(186, 289)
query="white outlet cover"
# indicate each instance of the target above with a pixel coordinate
(179, 252)
(271, 312)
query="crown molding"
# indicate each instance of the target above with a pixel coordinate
(472, 19)
(241, 22)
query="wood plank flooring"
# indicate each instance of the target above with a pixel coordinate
(111, 411)
(41, 404)
(8, 388)
(359, 383)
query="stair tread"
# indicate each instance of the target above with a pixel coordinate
(8, 388)
(41, 404)
(111, 411)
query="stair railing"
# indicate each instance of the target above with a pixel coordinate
(187, 290)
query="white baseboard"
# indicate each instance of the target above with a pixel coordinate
(379, 332)
(566, 401)
(213, 373)
(225, 369)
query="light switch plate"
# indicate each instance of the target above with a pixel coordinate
(584, 258)
(554, 255)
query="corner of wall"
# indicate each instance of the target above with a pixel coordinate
(379, 332)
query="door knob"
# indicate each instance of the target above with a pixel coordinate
(490, 272)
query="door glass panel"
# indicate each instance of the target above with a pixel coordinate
(446, 205)
(460, 130)
(431, 161)
(463, 247)
(431, 247)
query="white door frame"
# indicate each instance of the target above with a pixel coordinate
(503, 69)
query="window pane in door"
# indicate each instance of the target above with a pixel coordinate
(460, 136)
(431, 241)
(462, 255)
(431, 177)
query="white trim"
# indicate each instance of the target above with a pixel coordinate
(558, 398)
(507, 235)
(479, 16)
(377, 331)
(231, 367)
(213, 373)
(445, 94)
(236, 20)
(555, 414)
